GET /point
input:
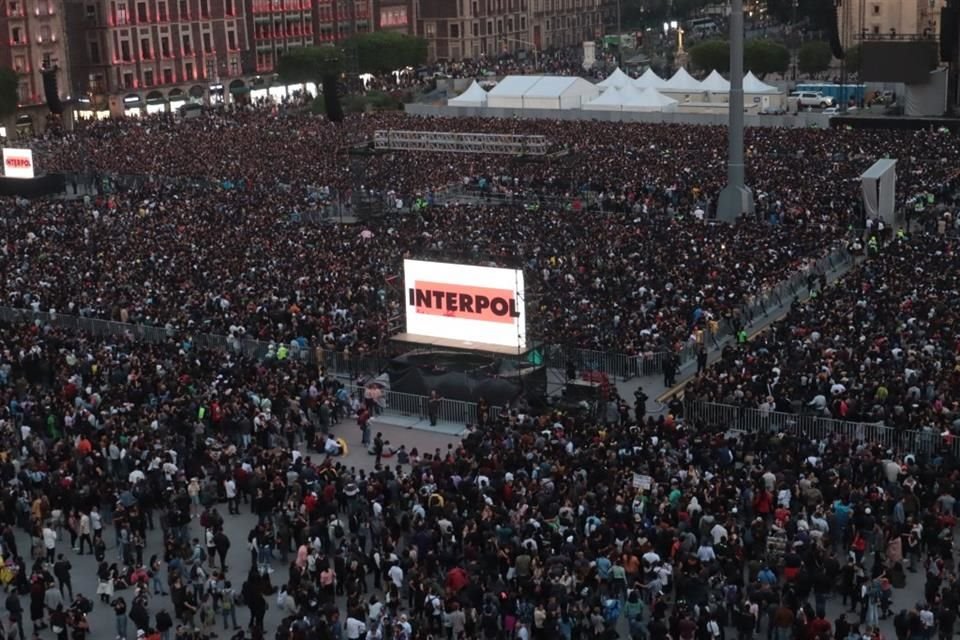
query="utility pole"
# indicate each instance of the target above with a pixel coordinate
(736, 199)
(619, 39)
(953, 7)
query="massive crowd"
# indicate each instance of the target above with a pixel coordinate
(227, 258)
(880, 345)
(534, 526)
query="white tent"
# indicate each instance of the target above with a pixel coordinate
(715, 83)
(559, 92)
(541, 92)
(649, 80)
(617, 80)
(681, 82)
(630, 93)
(474, 96)
(609, 100)
(508, 94)
(650, 100)
(753, 84)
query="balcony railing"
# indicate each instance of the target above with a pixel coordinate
(897, 36)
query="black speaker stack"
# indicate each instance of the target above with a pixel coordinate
(331, 99)
(949, 33)
(50, 90)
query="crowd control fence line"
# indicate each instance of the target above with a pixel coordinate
(816, 427)
(411, 405)
(354, 365)
(406, 404)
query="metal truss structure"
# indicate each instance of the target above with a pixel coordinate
(448, 142)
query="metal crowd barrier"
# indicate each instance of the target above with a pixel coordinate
(816, 427)
(620, 365)
(411, 405)
(402, 403)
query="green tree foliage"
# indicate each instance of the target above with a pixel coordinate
(853, 57)
(384, 51)
(310, 64)
(765, 56)
(814, 57)
(688, 8)
(710, 55)
(8, 92)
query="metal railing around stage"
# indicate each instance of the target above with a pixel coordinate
(416, 406)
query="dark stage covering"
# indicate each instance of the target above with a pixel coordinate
(47, 185)
(468, 377)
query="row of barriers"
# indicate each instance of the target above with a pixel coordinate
(710, 414)
(620, 365)
(768, 301)
(816, 427)
(405, 404)
(416, 406)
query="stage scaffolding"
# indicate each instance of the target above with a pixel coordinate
(448, 142)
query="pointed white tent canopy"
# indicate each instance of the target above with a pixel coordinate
(753, 84)
(630, 93)
(681, 82)
(541, 92)
(715, 82)
(650, 100)
(618, 79)
(474, 96)
(609, 100)
(649, 80)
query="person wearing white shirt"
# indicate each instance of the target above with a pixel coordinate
(230, 489)
(96, 521)
(395, 573)
(719, 532)
(784, 496)
(706, 554)
(331, 447)
(374, 610)
(355, 628)
(169, 471)
(651, 558)
(50, 543)
(84, 534)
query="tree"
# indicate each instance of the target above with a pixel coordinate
(853, 56)
(710, 55)
(9, 98)
(309, 64)
(814, 57)
(383, 51)
(322, 65)
(765, 56)
(687, 8)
